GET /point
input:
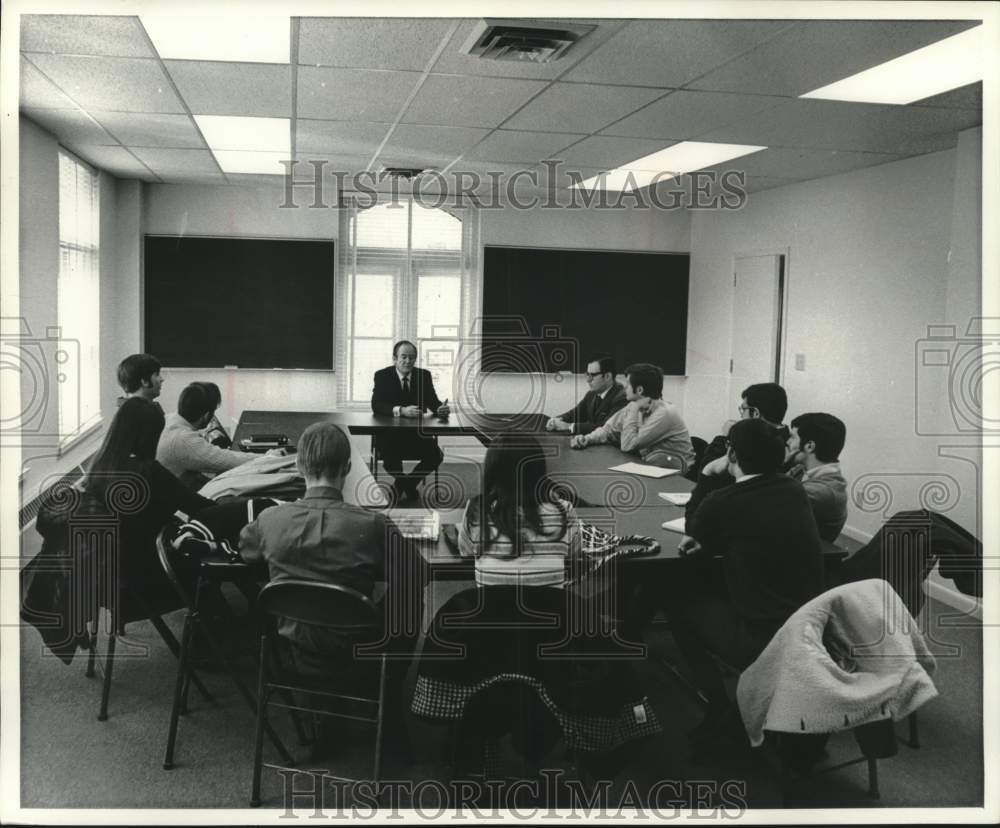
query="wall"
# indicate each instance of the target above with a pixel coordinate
(587, 228)
(39, 271)
(207, 210)
(194, 209)
(868, 271)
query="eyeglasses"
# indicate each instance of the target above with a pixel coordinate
(743, 408)
(595, 375)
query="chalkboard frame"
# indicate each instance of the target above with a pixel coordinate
(551, 350)
(328, 360)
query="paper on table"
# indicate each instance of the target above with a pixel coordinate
(644, 470)
(675, 525)
(677, 498)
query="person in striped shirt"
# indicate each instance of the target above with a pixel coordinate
(519, 530)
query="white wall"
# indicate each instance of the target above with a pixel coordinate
(868, 271)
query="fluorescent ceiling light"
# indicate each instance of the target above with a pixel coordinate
(237, 132)
(686, 156)
(242, 161)
(948, 64)
(243, 38)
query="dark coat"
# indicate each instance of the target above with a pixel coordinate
(388, 391)
(593, 412)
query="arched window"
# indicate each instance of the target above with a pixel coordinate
(405, 274)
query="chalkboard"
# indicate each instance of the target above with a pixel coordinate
(252, 303)
(548, 310)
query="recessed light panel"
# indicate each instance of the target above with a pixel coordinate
(240, 38)
(948, 64)
(684, 157)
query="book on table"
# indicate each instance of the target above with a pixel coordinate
(417, 525)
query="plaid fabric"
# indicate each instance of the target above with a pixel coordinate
(590, 732)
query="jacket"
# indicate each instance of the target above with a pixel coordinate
(593, 410)
(388, 391)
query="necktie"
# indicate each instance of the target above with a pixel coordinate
(406, 388)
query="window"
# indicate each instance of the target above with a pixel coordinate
(405, 274)
(77, 363)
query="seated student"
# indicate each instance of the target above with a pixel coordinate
(139, 376)
(183, 450)
(322, 538)
(764, 400)
(647, 426)
(771, 561)
(215, 433)
(519, 531)
(605, 397)
(126, 480)
(813, 456)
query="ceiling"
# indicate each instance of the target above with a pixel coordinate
(367, 93)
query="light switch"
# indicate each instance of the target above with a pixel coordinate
(800, 362)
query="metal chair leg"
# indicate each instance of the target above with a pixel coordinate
(258, 744)
(873, 791)
(180, 692)
(102, 716)
(379, 722)
(92, 628)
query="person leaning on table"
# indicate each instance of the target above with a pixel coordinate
(647, 426)
(604, 398)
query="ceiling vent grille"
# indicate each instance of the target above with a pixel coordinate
(523, 40)
(406, 173)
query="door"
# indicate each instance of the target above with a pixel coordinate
(758, 299)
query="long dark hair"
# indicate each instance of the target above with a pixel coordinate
(129, 445)
(515, 484)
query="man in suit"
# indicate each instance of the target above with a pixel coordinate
(403, 390)
(604, 398)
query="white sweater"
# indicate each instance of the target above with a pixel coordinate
(183, 451)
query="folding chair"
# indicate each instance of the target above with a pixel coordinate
(208, 574)
(333, 607)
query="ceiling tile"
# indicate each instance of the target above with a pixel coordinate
(178, 163)
(71, 126)
(84, 35)
(908, 130)
(147, 129)
(778, 162)
(219, 88)
(573, 107)
(759, 183)
(965, 97)
(116, 160)
(671, 52)
(112, 83)
(468, 101)
(683, 114)
(254, 180)
(37, 92)
(815, 53)
(331, 163)
(343, 137)
(512, 145)
(608, 152)
(428, 143)
(370, 43)
(454, 61)
(352, 94)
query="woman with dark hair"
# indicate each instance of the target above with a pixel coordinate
(519, 530)
(127, 484)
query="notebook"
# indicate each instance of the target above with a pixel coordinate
(676, 498)
(644, 470)
(674, 525)
(419, 526)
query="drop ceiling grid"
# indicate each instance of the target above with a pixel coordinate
(614, 97)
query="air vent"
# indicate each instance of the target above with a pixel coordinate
(407, 173)
(523, 40)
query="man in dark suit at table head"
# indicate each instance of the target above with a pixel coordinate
(604, 397)
(405, 391)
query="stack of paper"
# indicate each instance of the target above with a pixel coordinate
(676, 498)
(644, 470)
(675, 525)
